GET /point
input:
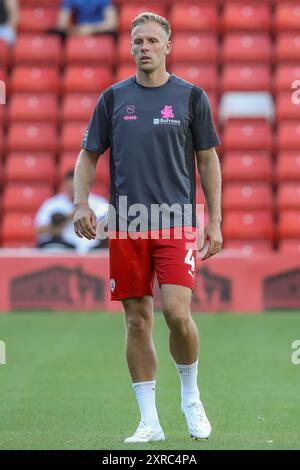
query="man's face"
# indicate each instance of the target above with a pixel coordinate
(149, 46)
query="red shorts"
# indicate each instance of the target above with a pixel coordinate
(133, 263)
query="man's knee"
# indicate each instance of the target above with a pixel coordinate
(178, 317)
(138, 316)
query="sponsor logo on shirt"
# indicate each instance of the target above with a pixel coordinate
(167, 116)
(130, 109)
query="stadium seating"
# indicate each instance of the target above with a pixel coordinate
(78, 107)
(72, 135)
(30, 168)
(288, 196)
(286, 109)
(194, 47)
(37, 18)
(18, 229)
(246, 16)
(288, 166)
(25, 197)
(32, 137)
(288, 47)
(205, 76)
(247, 196)
(289, 225)
(37, 50)
(247, 167)
(288, 136)
(284, 76)
(35, 80)
(33, 107)
(246, 77)
(247, 47)
(287, 16)
(4, 53)
(248, 225)
(247, 135)
(194, 17)
(90, 50)
(87, 79)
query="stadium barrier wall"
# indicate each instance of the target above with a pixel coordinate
(226, 283)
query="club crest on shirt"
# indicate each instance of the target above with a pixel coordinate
(112, 285)
(167, 116)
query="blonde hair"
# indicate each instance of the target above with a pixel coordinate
(148, 17)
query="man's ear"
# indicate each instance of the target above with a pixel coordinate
(168, 48)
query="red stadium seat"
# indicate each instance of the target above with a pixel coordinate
(124, 49)
(288, 47)
(205, 76)
(250, 247)
(247, 47)
(37, 19)
(4, 53)
(27, 168)
(18, 227)
(247, 136)
(67, 163)
(25, 197)
(289, 225)
(288, 196)
(129, 11)
(285, 75)
(247, 166)
(248, 225)
(288, 166)
(287, 17)
(87, 79)
(72, 135)
(33, 107)
(78, 107)
(125, 71)
(246, 78)
(90, 50)
(286, 108)
(32, 137)
(194, 17)
(288, 136)
(290, 246)
(247, 196)
(1, 142)
(35, 80)
(37, 50)
(194, 47)
(2, 114)
(246, 16)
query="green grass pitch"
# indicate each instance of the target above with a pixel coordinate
(66, 384)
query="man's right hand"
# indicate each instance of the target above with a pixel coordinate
(85, 222)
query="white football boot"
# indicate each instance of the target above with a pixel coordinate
(146, 433)
(198, 425)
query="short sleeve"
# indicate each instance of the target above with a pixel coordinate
(202, 124)
(97, 136)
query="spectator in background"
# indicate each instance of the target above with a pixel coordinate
(56, 241)
(9, 15)
(62, 203)
(83, 18)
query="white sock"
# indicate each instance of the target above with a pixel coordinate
(188, 378)
(145, 395)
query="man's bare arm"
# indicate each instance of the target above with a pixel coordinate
(211, 181)
(84, 218)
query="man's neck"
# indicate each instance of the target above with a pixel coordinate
(157, 78)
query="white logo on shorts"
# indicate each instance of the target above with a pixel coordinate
(112, 284)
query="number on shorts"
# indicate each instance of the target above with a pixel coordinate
(190, 259)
